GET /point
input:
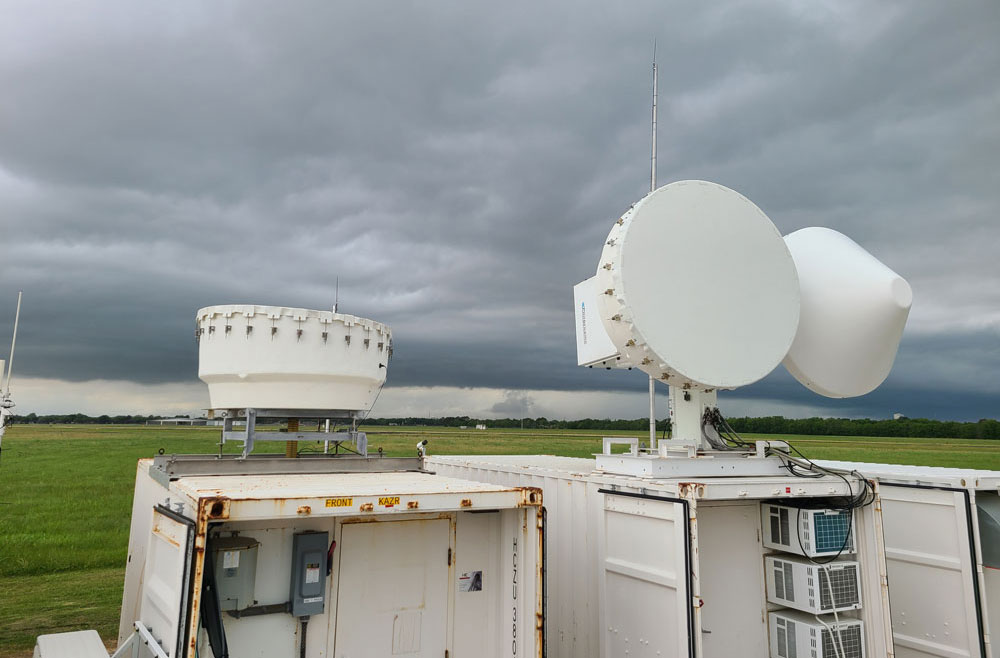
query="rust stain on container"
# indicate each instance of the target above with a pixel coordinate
(530, 496)
(367, 507)
(412, 505)
(215, 508)
(466, 502)
(304, 510)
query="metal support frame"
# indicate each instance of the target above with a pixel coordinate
(141, 644)
(249, 435)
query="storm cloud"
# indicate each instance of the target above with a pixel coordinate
(457, 166)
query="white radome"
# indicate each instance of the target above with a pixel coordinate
(272, 357)
(699, 287)
(854, 309)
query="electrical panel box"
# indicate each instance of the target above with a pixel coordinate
(308, 590)
(235, 570)
(810, 532)
(817, 588)
(798, 635)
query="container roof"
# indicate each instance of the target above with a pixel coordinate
(257, 487)
(929, 475)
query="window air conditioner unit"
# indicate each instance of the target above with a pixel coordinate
(810, 532)
(799, 635)
(817, 588)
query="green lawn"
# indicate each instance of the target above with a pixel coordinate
(65, 501)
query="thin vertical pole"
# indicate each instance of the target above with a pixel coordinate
(13, 343)
(652, 187)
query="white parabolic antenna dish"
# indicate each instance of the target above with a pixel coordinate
(854, 309)
(272, 357)
(699, 287)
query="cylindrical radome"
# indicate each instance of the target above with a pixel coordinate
(698, 288)
(290, 358)
(854, 309)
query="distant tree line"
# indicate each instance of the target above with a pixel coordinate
(913, 427)
(910, 427)
(83, 419)
(541, 423)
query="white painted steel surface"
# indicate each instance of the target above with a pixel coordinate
(398, 587)
(290, 358)
(962, 478)
(493, 530)
(644, 578)
(165, 581)
(699, 286)
(586, 554)
(854, 309)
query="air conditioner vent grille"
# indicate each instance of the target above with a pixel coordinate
(844, 585)
(850, 640)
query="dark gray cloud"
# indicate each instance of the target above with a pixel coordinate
(458, 165)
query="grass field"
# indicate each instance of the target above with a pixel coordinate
(66, 491)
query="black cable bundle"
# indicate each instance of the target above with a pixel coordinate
(801, 466)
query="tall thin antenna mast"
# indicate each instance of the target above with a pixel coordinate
(652, 187)
(652, 157)
(13, 343)
(336, 296)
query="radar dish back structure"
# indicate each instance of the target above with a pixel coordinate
(293, 363)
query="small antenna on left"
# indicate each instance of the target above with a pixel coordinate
(336, 296)
(13, 344)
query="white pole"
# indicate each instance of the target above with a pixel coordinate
(652, 187)
(13, 343)
(652, 157)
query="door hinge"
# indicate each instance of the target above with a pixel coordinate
(449, 564)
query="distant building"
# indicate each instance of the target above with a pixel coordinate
(480, 427)
(897, 416)
(178, 421)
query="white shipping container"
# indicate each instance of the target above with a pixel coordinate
(666, 567)
(402, 563)
(942, 546)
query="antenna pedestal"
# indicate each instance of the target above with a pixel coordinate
(687, 408)
(248, 434)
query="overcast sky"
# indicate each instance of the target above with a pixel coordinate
(458, 165)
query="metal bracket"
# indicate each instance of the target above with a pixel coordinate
(141, 644)
(249, 434)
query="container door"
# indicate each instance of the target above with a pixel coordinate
(393, 589)
(932, 591)
(646, 566)
(164, 607)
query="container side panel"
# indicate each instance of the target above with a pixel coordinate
(575, 518)
(478, 586)
(930, 573)
(396, 577)
(734, 620)
(645, 581)
(148, 492)
(165, 580)
(991, 577)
